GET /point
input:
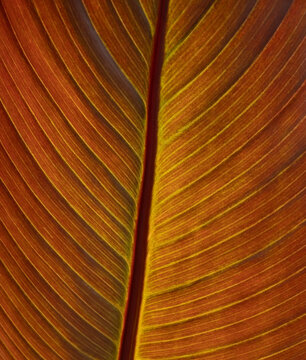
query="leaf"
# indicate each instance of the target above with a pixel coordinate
(152, 179)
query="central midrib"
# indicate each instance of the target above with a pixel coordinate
(128, 340)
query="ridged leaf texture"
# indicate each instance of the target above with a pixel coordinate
(152, 167)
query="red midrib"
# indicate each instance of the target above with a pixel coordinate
(128, 339)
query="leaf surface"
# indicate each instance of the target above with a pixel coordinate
(152, 179)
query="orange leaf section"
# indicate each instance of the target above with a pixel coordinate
(225, 267)
(225, 270)
(73, 79)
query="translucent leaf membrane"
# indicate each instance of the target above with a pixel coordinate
(225, 267)
(225, 262)
(73, 85)
(150, 8)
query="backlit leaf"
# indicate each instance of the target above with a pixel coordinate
(152, 179)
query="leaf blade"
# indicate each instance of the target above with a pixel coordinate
(229, 170)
